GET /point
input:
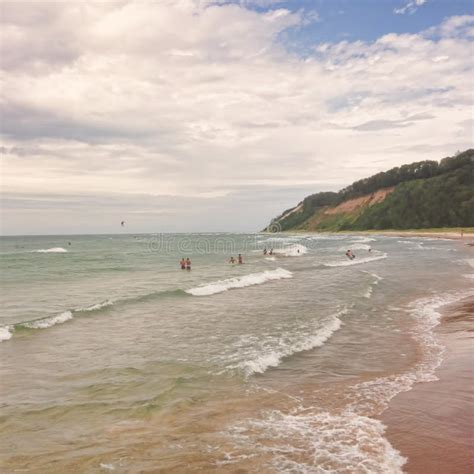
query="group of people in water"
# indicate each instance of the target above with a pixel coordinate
(240, 259)
(186, 263)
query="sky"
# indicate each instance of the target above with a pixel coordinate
(216, 115)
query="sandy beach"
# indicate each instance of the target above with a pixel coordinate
(433, 424)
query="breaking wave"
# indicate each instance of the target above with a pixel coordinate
(356, 261)
(239, 282)
(51, 250)
(5, 333)
(296, 250)
(270, 353)
(47, 322)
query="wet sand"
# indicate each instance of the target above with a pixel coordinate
(433, 424)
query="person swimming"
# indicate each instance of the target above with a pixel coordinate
(350, 255)
(183, 264)
(271, 252)
(241, 260)
(265, 251)
(232, 260)
(188, 264)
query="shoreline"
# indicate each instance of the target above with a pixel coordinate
(467, 238)
(433, 424)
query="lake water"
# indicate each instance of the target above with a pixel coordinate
(112, 358)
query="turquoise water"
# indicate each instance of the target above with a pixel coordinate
(113, 358)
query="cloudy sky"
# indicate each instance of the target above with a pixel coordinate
(210, 115)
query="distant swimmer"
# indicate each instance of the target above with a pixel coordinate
(183, 264)
(241, 260)
(271, 252)
(265, 251)
(188, 264)
(69, 243)
(370, 249)
(350, 255)
(232, 260)
(122, 223)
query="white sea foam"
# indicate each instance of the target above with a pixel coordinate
(109, 467)
(270, 353)
(355, 247)
(355, 261)
(364, 239)
(368, 293)
(240, 282)
(48, 322)
(281, 239)
(377, 278)
(373, 396)
(309, 441)
(470, 261)
(469, 275)
(272, 259)
(51, 250)
(5, 333)
(296, 250)
(95, 307)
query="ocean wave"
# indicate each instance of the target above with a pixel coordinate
(44, 323)
(5, 333)
(376, 277)
(47, 322)
(374, 396)
(51, 250)
(95, 307)
(290, 345)
(356, 261)
(364, 240)
(311, 440)
(356, 246)
(368, 293)
(296, 250)
(239, 282)
(280, 239)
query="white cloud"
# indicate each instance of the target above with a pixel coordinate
(410, 7)
(201, 101)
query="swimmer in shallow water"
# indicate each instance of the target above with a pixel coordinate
(188, 264)
(183, 264)
(232, 260)
(350, 255)
(241, 260)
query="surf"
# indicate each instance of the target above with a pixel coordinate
(240, 282)
(355, 261)
(296, 343)
(51, 250)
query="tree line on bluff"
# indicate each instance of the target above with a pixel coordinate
(427, 194)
